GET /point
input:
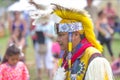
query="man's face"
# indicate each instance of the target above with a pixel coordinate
(63, 40)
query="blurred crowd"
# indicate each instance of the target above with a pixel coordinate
(106, 23)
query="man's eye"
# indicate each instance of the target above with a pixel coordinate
(61, 35)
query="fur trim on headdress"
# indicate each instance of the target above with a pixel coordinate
(73, 15)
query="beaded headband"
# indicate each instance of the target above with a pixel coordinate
(69, 27)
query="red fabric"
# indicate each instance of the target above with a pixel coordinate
(34, 37)
(32, 28)
(17, 72)
(85, 44)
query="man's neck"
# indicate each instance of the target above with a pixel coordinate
(75, 48)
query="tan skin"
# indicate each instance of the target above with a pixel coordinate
(14, 37)
(17, 21)
(12, 60)
(63, 40)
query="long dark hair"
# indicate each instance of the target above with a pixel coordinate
(20, 35)
(11, 50)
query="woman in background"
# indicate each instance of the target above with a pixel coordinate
(104, 31)
(17, 39)
(17, 22)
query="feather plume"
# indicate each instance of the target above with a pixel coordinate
(70, 15)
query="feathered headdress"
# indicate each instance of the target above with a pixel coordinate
(73, 16)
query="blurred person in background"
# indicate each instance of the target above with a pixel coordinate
(18, 39)
(105, 31)
(43, 47)
(111, 14)
(17, 22)
(33, 35)
(93, 12)
(44, 29)
(2, 29)
(56, 53)
(116, 66)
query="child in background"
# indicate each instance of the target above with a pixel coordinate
(12, 68)
(116, 67)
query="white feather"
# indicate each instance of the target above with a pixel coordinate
(60, 74)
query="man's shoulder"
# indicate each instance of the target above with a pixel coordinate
(101, 60)
(95, 55)
(92, 50)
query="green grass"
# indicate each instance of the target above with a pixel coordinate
(115, 47)
(30, 58)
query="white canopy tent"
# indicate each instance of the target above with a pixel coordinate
(21, 5)
(24, 5)
(78, 4)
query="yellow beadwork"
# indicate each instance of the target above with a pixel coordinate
(70, 46)
(60, 62)
(85, 58)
